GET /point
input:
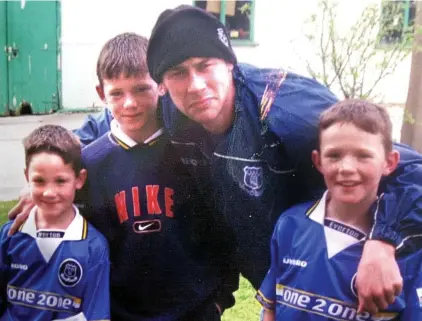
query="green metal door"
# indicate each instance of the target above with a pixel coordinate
(32, 50)
(3, 61)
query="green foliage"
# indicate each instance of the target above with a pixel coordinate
(408, 117)
(246, 9)
(351, 60)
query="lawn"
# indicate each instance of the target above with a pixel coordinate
(4, 208)
(246, 308)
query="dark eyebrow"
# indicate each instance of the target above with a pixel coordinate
(203, 61)
(177, 68)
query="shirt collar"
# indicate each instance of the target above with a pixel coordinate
(317, 211)
(76, 231)
(125, 140)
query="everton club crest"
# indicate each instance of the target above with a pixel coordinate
(70, 273)
(253, 180)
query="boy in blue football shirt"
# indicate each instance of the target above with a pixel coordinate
(57, 266)
(316, 246)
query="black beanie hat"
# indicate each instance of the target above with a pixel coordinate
(183, 33)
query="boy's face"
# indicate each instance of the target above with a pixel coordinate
(53, 184)
(200, 88)
(352, 162)
(132, 101)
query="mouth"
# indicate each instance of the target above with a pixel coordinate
(201, 104)
(50, 203)
(132, 116)
(348, 183)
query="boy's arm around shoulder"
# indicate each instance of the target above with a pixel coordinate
(96, 301)
(94, 126)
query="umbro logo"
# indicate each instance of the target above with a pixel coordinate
(148, 226)
(18, 266)
(287, 260)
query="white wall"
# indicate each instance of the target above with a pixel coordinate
(87, 25)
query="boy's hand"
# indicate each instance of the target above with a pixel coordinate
(20, 212)
(268, 315)
(378, 279)
(218, 308)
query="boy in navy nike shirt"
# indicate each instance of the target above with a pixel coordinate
(169, 256)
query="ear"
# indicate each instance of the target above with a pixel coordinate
(162, 89)
(392, 160)
(316, 159)
(81, 178)
(25, 172)
(100, 92)
(230, 66)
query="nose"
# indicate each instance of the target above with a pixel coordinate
(197, 82)
(347, 165)
(49, 192)
(129, 101)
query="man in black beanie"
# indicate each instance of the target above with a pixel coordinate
(254, 130)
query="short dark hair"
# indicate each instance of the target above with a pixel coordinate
(57, 140)
(124, 54)
(367, 116)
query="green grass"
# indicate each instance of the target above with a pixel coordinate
(246, 308)
(4, 208)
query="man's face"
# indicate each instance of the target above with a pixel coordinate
(132, 101)
(201, 88)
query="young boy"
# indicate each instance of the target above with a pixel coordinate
(167, 252)
(315, 254)
(56, 267)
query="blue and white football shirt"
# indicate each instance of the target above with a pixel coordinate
(54, 274)
(313, 269)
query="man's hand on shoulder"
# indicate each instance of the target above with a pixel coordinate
(20, 211)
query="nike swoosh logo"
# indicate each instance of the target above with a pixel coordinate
(143, 228)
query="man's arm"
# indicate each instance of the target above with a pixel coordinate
(214, 232)
(398, 218)
(94, 127)
(399, 215)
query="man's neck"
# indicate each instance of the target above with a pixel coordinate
(356, 215)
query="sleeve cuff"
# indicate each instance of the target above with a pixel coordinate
(383, 232)
(265, 303)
